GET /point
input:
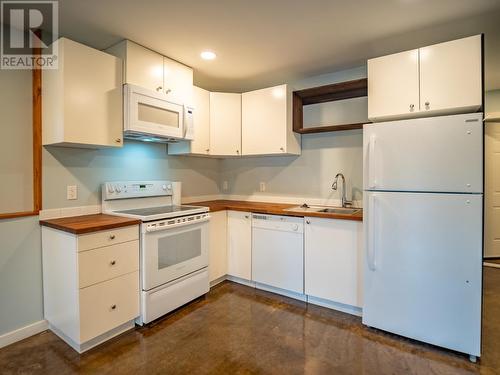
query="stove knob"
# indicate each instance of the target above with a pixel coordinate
(111, 189)
(164, 187)
(169, 186)
(118, 189)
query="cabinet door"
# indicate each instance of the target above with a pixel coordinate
(177, 82)
(217, 265)
(264, 121)
(450, 76)
(393, 88)
(143, 67)
(201, 142)
(225, 124)
(334, 260)
(239, 233)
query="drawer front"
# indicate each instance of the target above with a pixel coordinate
(107, 237)
(95, 266)
(107, 305)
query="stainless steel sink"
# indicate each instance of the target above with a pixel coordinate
(344, 211)
(332, 210)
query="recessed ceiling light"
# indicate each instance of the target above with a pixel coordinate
(208, 55)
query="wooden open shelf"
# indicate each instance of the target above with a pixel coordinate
(322, 94)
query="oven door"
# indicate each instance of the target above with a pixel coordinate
(170, 253)
(148, 112)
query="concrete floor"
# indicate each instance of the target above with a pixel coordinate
(239, 330)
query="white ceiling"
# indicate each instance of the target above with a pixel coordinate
(264, 42)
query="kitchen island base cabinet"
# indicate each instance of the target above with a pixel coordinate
(239, 244)
(334, 262)
(90, 284)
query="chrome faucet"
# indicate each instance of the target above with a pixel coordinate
(343, 198)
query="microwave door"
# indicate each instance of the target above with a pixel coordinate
(153, 115)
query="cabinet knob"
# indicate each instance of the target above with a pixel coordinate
(308, 222)
(207, 150)
(282, 149)
(159, 88)
(113, 262)
(168, 91)
(118, 140)
(113, 307)
(237, 151)
(247, 217)
(427, 105)
(412, 107)
(112, 237)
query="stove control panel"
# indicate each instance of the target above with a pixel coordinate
(136, 189)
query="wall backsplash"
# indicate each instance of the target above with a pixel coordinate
(88, 169)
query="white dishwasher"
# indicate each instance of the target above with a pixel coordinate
(278, 251)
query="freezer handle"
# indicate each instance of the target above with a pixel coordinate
(372, 177)
(371, 245)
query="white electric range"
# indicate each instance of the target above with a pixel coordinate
(173, 242)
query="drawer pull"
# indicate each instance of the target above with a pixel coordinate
(113, 262)
(112, 237)
(113, 307)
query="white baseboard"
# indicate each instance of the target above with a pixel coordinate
(23, 333)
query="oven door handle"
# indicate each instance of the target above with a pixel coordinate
(156, 227)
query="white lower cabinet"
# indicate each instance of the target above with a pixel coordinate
(239, 244)
(90, 284)
(217, 264)
(334, 260)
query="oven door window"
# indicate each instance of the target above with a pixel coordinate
(179, 248)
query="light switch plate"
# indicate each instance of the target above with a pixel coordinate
(262, 186)
(71, 192)
(225, 186)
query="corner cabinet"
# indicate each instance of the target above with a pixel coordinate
(333, 260)
(82, 99)
(225, 124)
(239, 244)
(146, 68)
(444, 78)
(266, 123)
(200, 145)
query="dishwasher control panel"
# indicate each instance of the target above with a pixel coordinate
(277, 222)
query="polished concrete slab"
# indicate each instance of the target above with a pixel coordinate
(239, 330)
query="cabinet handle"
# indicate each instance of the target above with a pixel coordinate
(113, 262)
(112, 237)
(427, 105)
(118, 140)
(412, 107)
(159, 88)
(113, 307)
(308, 222)
(168, 91)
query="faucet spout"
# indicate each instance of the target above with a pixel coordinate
(343, 197)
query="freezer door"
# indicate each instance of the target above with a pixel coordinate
(423, 267)
(438, 154)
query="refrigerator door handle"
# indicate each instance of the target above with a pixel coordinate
(370, 246)
(372, 176)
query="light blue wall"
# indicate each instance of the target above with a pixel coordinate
(20, 273)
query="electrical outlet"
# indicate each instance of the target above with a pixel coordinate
(71, 192)
(225, 186)
(262, 186)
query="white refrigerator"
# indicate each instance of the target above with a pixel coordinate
(423, 193)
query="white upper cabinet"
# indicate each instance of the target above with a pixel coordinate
(444, 78)
(82, 99)
(451, 76)
(266, 123)
(200, 145)
(393, 85)
(225, 124)
(148, 69)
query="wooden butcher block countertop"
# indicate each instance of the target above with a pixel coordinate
(89, 223)
(273, 209)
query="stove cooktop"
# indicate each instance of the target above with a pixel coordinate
(161, 212)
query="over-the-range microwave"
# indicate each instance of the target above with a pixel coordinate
(149, 116)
